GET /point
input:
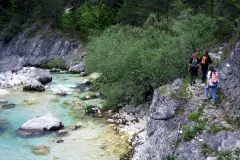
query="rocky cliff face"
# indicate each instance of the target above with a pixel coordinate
(183, 126)
(40, 48)
(230, 77)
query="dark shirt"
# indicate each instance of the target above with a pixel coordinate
(207, 62)
(194, 65)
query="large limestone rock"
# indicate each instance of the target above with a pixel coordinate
(229, 76)
(40, 125)
(23, 76)
(38, 49)
(3, 92)
(43, 76)
(77, 68)
(33, 85)
(164, 133)
(162, 108)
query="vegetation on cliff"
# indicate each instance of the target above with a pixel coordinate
(137, 45)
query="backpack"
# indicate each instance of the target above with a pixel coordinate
(214, 77)
(204, 58)
(194, 62)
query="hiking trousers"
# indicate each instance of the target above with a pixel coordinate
(204, 74)
(214, 92)
(193, 79)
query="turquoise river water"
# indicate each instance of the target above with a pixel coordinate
(82, 144)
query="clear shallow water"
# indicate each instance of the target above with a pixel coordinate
(82, 144)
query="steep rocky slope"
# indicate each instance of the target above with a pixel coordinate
(37, 48)
(184, 126)
(230, 77)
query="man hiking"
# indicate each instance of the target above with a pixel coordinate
(205, 61)
(212, 82)
(193, 67)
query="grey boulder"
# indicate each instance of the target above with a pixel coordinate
(33, 85)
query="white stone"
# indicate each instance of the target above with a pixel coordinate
(31, 68)
(3, 92)
(111, 121)
(61, 92)
(38, 124)
(16, 80)
(8, 75)
(2, 77)
(211, 158)
(200, 140)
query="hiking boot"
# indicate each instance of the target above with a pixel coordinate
(213, 103)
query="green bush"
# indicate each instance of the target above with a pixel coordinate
(67, 21)
(194, 116)
(94, 19)
(189, 133)
(11, 28)
(55, 63)
(132, 60)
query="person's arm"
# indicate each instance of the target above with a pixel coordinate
(199, 66)
(189, 64)
(208, 77)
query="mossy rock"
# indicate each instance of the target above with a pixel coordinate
(41, 150)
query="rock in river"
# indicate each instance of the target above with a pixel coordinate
(60, 92)
(40, 125)
(33, 85)
(3, 125)
(77, 68)
(84, 86)
(8, 106)
(3, 92)
(60, 141)
(3, 101)
(41, 150)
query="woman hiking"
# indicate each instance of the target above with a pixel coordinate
(193, 67)
(212, 82)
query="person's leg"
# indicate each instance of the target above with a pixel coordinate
(194, 79)
(214, 93)
(204, 75)
(191, 79)
(206, 92)
(195, 74)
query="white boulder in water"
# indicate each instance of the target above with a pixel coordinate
(60, 92)
(9, 79)
(3, 92)
(42, 124)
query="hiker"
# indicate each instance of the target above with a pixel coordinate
(205, 61)
(193, 67)
(212, 82)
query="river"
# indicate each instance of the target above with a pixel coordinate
(95, 140)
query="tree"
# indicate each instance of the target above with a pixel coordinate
(135, 12)
(52, 10)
